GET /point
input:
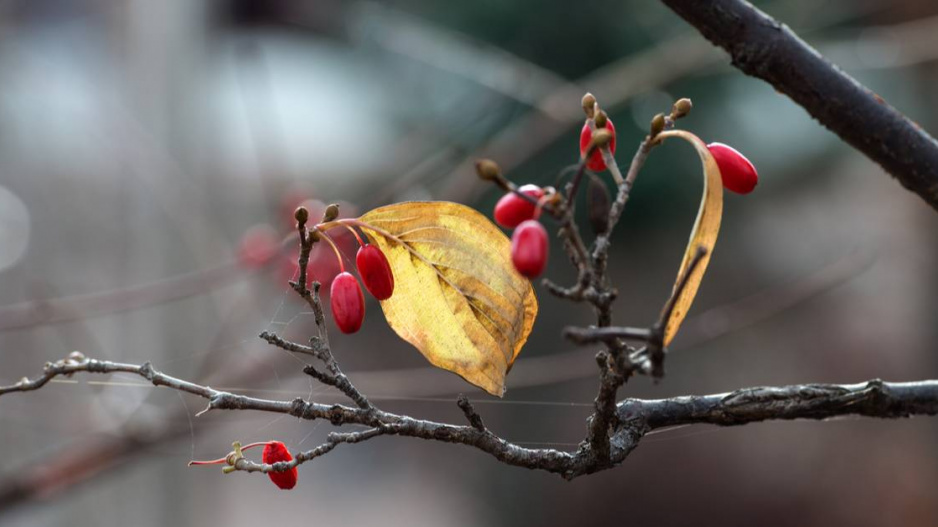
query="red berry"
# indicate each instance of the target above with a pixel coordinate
(512, 209)
(274, 452)
(348, 303)
(737, 172)
(529, 248)
(375, 271)
(596, 163)
(258, 246)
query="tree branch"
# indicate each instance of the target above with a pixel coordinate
(762, 47)
(634, 417)
(874, 398)
(506, 452)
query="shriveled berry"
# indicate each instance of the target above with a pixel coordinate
(529, 248)
(595, 162)
(375, 271)
(598, 205)
(348, 303)
(738, 174)
(512, 209)
(274, 452)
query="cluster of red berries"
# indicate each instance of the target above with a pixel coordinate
(529, 246)
(738, 174)
(346, 298)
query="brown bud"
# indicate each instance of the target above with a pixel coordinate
(488, 170)
(657, 125)
(301, 215)
(601, 138)
(681, 108)
(588, 102)
(332, 212)
(601, 119)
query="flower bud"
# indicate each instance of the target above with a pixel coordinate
(600, 119)
(601, 138)
(301, 215)
(332, 212)
(681, 108)
(589, 103)
(488, 170)
(657, 125)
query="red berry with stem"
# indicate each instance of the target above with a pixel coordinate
(375, 271)
(275, 452)
(596, 162)
(512, 209)
(738, 174)
(348, 303)
(529, 248)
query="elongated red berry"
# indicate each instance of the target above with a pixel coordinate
(375, 271)
(274, 452)
(595, 162)
(529, 248)
(348, 303)
(737, 172)
(512, 209)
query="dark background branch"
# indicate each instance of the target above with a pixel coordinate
(762, 47)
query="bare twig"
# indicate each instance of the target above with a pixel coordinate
(543, 459)
(593, 335)
(470, 412)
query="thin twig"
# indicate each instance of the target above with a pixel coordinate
(593, 335)
(475, 420)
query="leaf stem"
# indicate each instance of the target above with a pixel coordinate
(335, 248)
(355, 234)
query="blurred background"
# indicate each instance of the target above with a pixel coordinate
(152, 153)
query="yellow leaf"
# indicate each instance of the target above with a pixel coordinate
(457, 296)
(704, 234)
